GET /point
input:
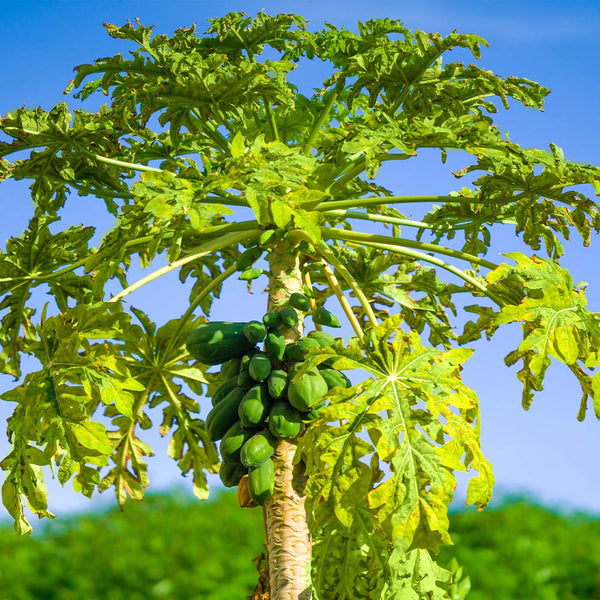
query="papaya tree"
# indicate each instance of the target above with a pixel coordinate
(212, 163)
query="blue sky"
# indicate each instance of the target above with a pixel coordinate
(544, 452)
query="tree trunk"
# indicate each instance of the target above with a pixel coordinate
(288, 538)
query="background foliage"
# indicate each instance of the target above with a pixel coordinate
(173, 547)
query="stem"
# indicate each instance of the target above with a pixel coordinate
(353, 236)
(440, 263)
(361, 164)
(331, 258)
(207, 248)
(356, 202)
(337, 290)
(323, 116)
(214, 133)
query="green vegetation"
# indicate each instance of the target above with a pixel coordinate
(172, 546)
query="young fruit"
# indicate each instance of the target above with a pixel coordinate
(297, 350)
(307, 390)
(275, 344)
(257, 449)
(289, 318)
(261, 481)
(230, 368)
(284, 420)
(254, 331)
(218, 341)
(323, 338)
(299, 302)
(272, 320)
(324, 317)
(224, 414)
(223, 390)
(259, 367)
(254, 406)
(233, 440)
(277, 383)
(231, 473)
(334, 378)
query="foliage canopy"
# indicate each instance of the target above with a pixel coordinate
(209, 149)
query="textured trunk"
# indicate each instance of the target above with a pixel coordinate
(288, 538)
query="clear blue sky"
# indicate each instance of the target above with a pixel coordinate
(544, 452)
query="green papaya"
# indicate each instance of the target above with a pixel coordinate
(297, 350)
(334, 377)
(244, 380)
(323, 338)
(254, 407)
(261, 482)
(323, 317)
(255, 331)
(231, 473)
(248, 258)
(299, 302)
(272, 319)
(260, 366)
(284, 420)
(277, 383)
(224, 414)
(230, 368)
(307, 390)
(257, 449)
(218, 341)
(275, 344)
(233, 440)
(223, 390)
(289, 318)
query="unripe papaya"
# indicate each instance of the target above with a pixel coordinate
(224, 414)
(323, 317)
(244, 380)
(223, 390)
(248, 258)
(231, 473)
(289, 318)
(272, 319)
(218, 341)
(230, 368)
(297, 350)
(307, 390)
(254, 407)
(261, 481)
(284, 420)
(233, 440)
(259, 367)
(257, 449)
(323, 338)
(277, 383)
(334, 377)
(275, 344)
(255, 331)
(299, 302)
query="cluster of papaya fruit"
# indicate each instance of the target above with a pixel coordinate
(261, 399)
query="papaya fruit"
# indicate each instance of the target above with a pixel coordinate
(277, 383)
(323, 317)
(260, 366)
(275, 344)
(261, 482)
(244, 380)
(224, 414)
(272, 319)
(254, 406)
(323, 338)
(289, 317)
(257, 449)
(248, 258)
(299, 302)
(223, 390)
(315, 411)
(334, 377)
(233, 440)
(307, 390)
(216, 342)
(297, 350)
(284, 420)
(231, 473)
(230, 368)
(254, 331)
